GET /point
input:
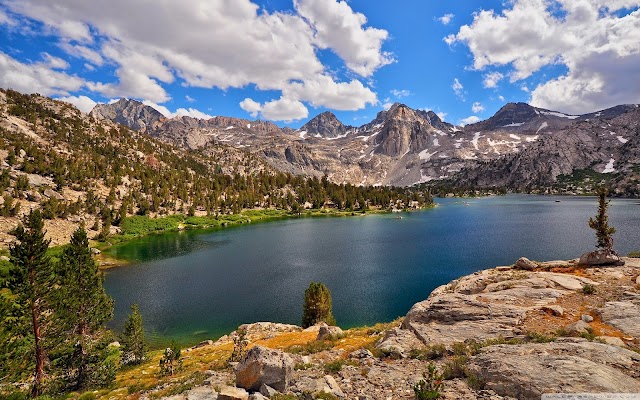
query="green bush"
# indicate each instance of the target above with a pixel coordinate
(334, 366)
(429, 388)
(455, 367)
(430, 353)
(588, 289)
(634, 254)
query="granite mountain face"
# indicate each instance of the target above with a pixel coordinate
(520, 147)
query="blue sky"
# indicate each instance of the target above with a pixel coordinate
(287, 61)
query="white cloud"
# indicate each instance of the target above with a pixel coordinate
(189, 98)
(597, 41)
(339, 28)
(400, 93)
(54, 62)
(284, 109)
(525, 88)
(180, 112)
(83, 103)
(492, 79)
(387, 105)
(6, 19)
(469, 120)
(36, 78)
(477, 107)
(501, 98)
(446, 19)
(251, 106)
(458, 88)
(229, 44)
(442, 115)
(83, 52)
(323, 91)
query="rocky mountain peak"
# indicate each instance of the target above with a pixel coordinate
(325, 125)
(131, 113)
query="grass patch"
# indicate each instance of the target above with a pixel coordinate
(634, 254)
(312, 347)
(432, 352)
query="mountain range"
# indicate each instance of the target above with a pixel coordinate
(520, 147)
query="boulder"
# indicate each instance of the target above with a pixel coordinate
(571, 366)
(53, 194)
(600, 258)
(334, 387)
(257, 396)
(327, 332)
(586, 318)
(34, 195)
(612, 340)
(267, 390)
(578, 328)
(264, 366)
(526, 264)
(554, 309)
(233, 393)
(623, 315)
(202, 393)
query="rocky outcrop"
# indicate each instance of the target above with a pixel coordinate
(263, 366)
(601, 258)
(568, 366)
(326, 332)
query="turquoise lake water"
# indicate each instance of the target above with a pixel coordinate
(198, 285)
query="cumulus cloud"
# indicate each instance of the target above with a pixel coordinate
(469, 120)
(594, 39)
(339, 28)
(446, 19)
(54, 62)
(229, 44)
(180, 112)
(477, 107)
(83, 103)
(251, 106)
(284, 109)
(36, 77)
(492, 79)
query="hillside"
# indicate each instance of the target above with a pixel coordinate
(81, 170)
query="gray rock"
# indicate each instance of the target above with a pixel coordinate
(361, 354)
(527, 371)
(333, 386)
(525, 263)
(623, 315)
(327, 332)
(311, 385)
(586, 318)
(95, 251)
(264, 366)
(34, 195)
(203, 344)
(53, 194)
(257, 396)
(202, 393)
(267, 390)
(399, 342)
(638, 280)
(233, 393)
(554, 309)
(601, 258)
(577, 328)
(614, 341)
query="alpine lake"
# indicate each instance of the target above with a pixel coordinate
(198, 284)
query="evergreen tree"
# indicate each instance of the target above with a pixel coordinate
(29, 281)
(170, 360)
(604, 232)
(82, 308)
(317, 305)
(132, 338)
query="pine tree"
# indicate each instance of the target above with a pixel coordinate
(82, 309)
(29, 281)
(317, 305)
(132, 338)
(604, 232)
(170, 360)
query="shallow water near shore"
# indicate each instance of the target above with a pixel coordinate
(198, 285)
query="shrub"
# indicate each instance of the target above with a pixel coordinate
(334, 366)
(430, 353)
(240, 343)
(634, 254)
(170, 360)
(317, 305)
(588, 289)
(430, 386)
(455, 367)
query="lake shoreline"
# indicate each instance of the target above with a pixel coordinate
(108, 261)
